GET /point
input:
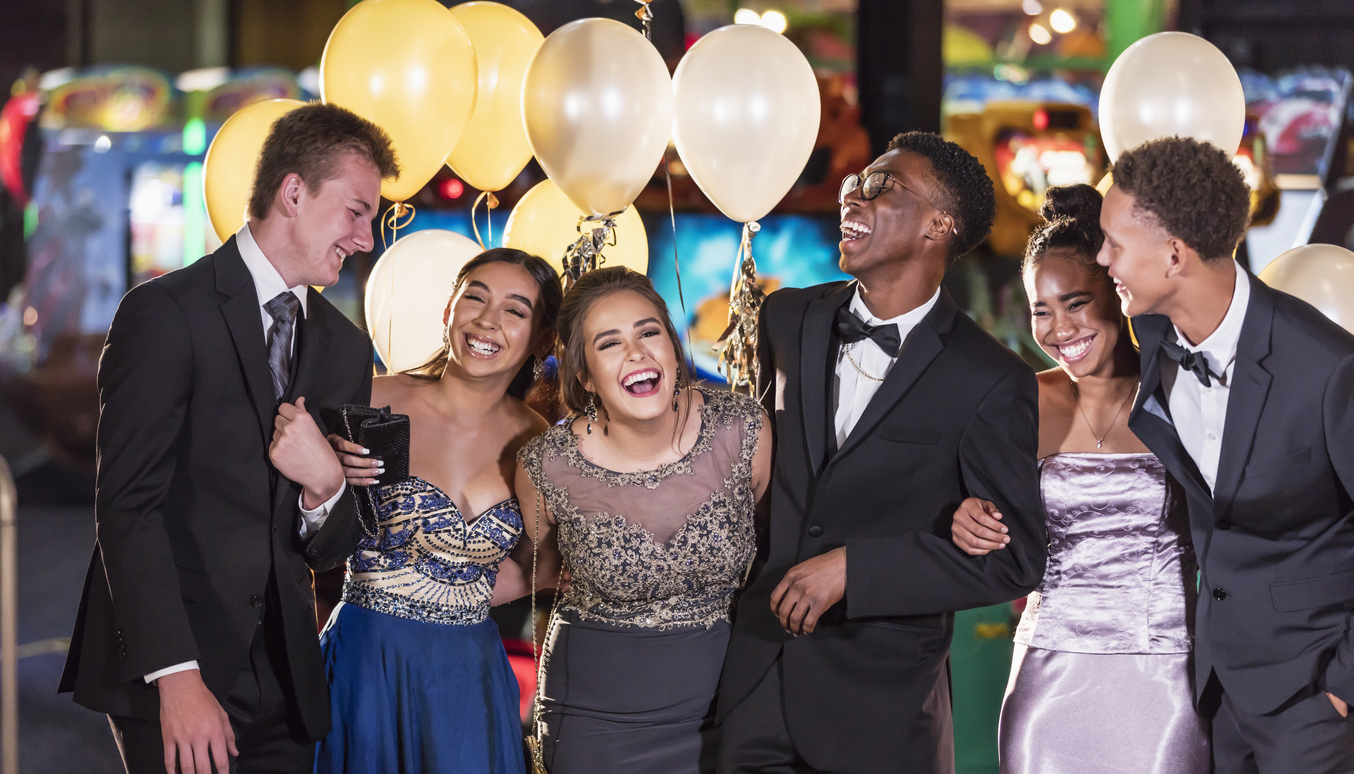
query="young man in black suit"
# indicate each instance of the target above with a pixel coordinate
(890, 406)
(217, 492)
(1247, 397)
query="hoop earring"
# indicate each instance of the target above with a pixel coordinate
(537, 369)
(591, 411)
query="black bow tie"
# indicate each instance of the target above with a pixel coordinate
(1194, 362)
(851, 329)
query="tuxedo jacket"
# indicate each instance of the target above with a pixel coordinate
(1275, 538)
(955, 417)
(193, 523)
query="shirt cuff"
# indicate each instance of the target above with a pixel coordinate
(184, 667)
(311, 521)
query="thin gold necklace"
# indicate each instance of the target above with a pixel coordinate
(859, 370)
(1100, 439)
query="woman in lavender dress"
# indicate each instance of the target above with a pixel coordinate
(1100, 680)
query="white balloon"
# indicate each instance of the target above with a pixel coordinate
(1321, 275)
(1167, 84)
(747, 111)
(408, 291)
(597, 106)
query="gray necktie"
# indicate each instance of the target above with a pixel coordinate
(283, 308)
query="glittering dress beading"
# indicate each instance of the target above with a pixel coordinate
(1101, 677)
(634, 653)
(418, 678)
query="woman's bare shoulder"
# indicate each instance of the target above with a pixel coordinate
(394, 389)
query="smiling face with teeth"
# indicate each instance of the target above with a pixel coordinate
(631, 359)
(491, 322)
(317, 229)
(1074, 314)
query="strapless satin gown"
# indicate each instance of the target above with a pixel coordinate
(1100, 680)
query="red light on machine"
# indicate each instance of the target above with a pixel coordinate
(451, 188)
(1041, 119)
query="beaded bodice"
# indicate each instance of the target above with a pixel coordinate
(661, 548)
(424, 561)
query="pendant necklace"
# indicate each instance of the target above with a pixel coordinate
(1100, 439)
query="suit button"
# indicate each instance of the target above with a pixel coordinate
(256, 601)
(1219, 594)
(313, 550)
(1224, 525)
(815, 531)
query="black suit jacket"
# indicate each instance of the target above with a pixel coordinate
(956, 417)
(1275, 539)
(192, 519)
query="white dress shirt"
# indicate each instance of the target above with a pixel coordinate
(852, 390)
(1198, 412)
(269, 284)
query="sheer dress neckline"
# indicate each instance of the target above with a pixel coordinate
(649, 479)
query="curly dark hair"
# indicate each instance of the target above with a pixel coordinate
(310, 141)
(966, 190)
(1071, 222)
(1193, 189)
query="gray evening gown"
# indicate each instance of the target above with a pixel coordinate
(1100, 680)
(636, 645)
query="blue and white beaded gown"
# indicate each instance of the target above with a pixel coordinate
(418, 678)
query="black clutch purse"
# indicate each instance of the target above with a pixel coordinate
(384, 435)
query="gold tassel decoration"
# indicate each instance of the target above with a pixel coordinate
(585, 254)
(738, 345)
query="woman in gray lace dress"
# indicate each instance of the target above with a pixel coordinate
(649, 493)
(1100, 680)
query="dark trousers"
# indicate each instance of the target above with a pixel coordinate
(1304, 736)
(258, 711)
(755, 735)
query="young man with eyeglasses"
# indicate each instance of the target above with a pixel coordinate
(1247, 398)
(891, 407)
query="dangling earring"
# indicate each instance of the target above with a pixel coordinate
(676, 393)
(591, 411)
(537, 369)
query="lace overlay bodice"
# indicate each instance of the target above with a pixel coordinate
(662, 548)
(424, 561)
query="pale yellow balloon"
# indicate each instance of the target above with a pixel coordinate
(597, 102)
(1321, 275)
(1171, 83)
(408, 66)
(747, 110)
(408, 291)
(545, 223)
(228, 170)
(494, 147)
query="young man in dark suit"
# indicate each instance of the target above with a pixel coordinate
(890, 407)
(217, 492)
(1247, 397)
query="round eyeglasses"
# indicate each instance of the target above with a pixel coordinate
(876, 183)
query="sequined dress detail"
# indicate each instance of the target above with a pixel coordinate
(1101, 675)
(412, 647)
(634, 652)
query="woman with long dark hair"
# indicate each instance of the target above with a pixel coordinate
(648, 492)
(419, 680)
(1100, 676)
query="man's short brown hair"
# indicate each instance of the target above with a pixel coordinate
(1193, 189)
(310, 141)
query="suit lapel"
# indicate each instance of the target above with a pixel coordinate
(1158, 433)
(314, 335)
(920, 348)
(815, 368)
(245, 321)
(1250, 387)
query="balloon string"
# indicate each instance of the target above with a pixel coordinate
(392, 221)
(645, 15)
(676, 260)
(491, 203)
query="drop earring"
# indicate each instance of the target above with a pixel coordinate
(676, 393)
(591, 411)
(537, 369)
